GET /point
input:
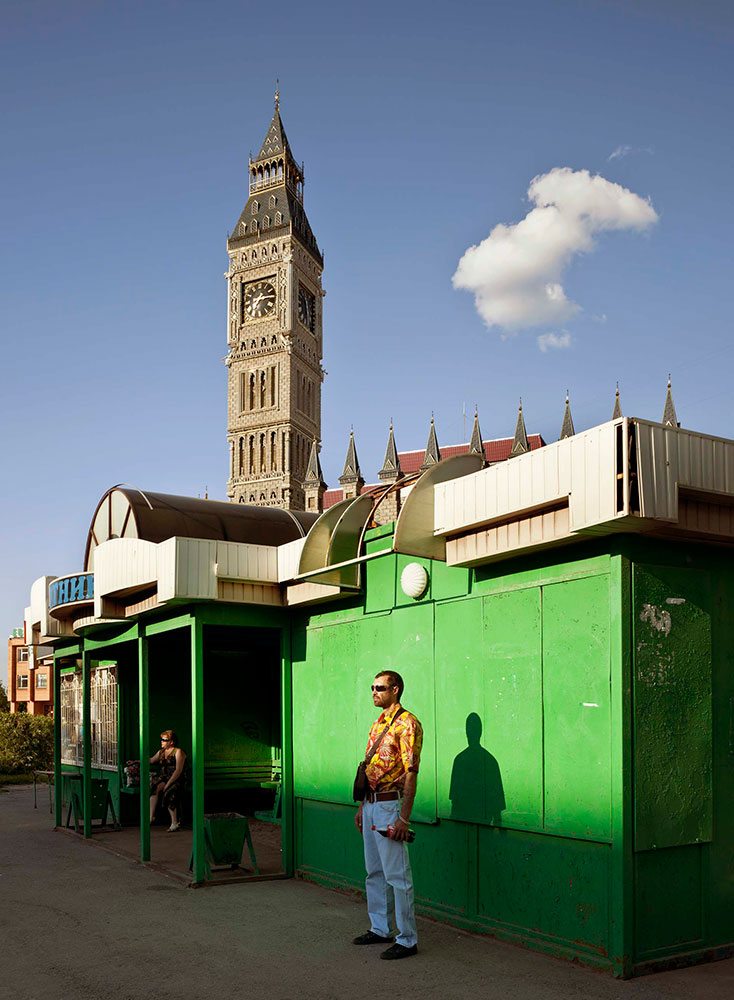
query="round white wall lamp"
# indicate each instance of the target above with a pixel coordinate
(414, 580)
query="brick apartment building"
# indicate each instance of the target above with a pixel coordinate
(30, 681)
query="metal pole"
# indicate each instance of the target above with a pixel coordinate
(197, 745)
(87, 743)
(286, 752)
(58, 780)
(144, 731)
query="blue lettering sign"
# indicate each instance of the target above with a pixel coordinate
(71, 590)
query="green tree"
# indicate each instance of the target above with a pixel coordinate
(4, 703)
(26, 742)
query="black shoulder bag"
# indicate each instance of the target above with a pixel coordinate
(361, 784)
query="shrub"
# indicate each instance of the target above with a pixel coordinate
(26, 742)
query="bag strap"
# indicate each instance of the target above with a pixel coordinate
(371, 752)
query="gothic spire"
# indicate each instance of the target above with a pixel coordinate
(617, 405)
(567, 430)
(433, 454)
(390, 470)
(351, 478)
(275, 142)
(314, 475)
(520, 443)
(475, 445)
(669, 417)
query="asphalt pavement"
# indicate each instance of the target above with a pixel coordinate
(80, 923)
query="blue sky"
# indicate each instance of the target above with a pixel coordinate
(126, 132)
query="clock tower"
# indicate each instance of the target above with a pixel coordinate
(274, 333)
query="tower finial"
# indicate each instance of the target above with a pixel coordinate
(277, 94)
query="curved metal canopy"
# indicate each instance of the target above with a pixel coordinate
(127, 512)
(414, 528)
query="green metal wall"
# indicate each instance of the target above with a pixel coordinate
(511, 680)
(577, 786)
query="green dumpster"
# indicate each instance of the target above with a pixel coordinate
(225, 834)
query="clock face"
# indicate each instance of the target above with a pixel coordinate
(259, 299)
(306, 308)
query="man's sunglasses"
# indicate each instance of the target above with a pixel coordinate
(382, 687)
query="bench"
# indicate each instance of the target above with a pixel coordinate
(247, 774)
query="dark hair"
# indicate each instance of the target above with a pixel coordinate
(395, 680)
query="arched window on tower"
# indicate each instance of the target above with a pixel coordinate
(255, 208)
(263, 387)
(278, 218)
(241, 457)
(266, 174)
(251, 392)
(266, 225)
(253, 226)
(262, 454)
(271, 201)
(253, 178)
(280, 170)
(259, 176)
(273, 454)
(251, 467)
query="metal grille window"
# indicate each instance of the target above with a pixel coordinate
(71, 718)
(103, 717)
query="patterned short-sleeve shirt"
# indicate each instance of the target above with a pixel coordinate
(398, 753)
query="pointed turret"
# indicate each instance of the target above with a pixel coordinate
(433, 453)
(475, 445)
(669, 417)
(617, 412)
(520, 444)
(391, 471)
(389, 507)
(567, 430)
(314, 486)
(351, 478)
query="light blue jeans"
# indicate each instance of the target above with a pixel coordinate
(389, 878)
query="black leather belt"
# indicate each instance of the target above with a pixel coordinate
(383, 796)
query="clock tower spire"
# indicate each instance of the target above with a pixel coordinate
(274, 332)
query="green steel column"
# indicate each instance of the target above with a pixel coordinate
(621, 896)
(144, 728)
(87, 743)
(197, 745)
(58, 780)
(286, 754)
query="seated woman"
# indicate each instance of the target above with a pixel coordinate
(168, 780)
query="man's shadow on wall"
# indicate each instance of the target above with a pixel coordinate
(476, 791)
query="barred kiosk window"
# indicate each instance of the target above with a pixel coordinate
(103, 717)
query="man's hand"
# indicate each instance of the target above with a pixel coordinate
(401, 829)
(358, 818)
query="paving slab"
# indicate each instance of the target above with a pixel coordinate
(80, 923)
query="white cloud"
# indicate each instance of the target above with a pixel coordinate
(619, 152)
(515, 273)
(622, 151)
(554, 341)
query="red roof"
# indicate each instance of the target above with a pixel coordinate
(411, 461)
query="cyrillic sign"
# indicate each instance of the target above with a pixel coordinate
(71, 590)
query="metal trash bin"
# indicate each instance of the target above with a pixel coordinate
(226, 836)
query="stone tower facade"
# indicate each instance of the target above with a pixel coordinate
(274, 333)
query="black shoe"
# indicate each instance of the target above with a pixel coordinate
(399, 951)
(371, 938)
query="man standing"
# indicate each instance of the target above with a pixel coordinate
(392, 773)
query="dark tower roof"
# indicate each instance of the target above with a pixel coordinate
(669, 417)
(617, 405)
(390, 470)
(314, 475)
(275, 205)
(520, 442)
(567, 430)
(433, 454)
(275, 141)
(351, 471)
(475, 445)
